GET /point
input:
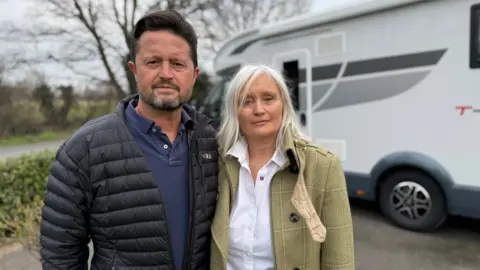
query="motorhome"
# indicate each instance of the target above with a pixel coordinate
(392, 88)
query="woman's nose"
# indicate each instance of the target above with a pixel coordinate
(258, 107)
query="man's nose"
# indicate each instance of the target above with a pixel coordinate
(165, 70)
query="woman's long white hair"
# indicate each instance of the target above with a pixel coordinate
(229, 132)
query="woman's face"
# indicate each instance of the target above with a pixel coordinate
(261, 113)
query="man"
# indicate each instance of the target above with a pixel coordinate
(140, 182)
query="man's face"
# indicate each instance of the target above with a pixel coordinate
(164, 70)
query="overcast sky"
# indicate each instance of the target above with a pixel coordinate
(16, 10)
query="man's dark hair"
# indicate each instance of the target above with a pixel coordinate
(168, 20)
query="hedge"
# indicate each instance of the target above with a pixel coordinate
(22, 187)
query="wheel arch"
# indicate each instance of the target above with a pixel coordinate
(409, 160)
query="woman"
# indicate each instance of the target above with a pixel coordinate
(282, 201)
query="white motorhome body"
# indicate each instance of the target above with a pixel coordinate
(379, 84)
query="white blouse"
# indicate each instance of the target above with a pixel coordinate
(250, 241)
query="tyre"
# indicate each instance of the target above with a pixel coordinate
(412, 200)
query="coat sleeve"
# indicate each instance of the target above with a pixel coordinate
(64, 232)
(337, 252)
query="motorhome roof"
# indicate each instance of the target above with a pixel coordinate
(309, 19)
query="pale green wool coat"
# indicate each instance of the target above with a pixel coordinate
(322, 237)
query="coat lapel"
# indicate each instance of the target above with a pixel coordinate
(228, 185)
(303, 204)
(300, 198)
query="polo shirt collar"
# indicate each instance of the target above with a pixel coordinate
(145, 124)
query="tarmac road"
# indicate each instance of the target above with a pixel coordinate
(378, 246)
(15, 151)
(382, 246)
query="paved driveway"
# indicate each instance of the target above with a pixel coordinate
(379, 245)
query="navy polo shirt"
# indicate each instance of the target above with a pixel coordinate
(169, 163)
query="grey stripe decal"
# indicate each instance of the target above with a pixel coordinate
(375, 65)
(360, 91)
(394, 62)
(318, 91)
(242, 47)
(363, 90)
(320, 73)
(363, 66)
(229, 71)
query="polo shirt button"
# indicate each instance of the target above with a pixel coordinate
(165, 146)
(294, 218)
(261, 178)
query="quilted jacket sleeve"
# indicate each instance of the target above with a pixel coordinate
(337, 252)
(64, 233)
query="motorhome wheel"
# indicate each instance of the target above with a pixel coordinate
(412, 200)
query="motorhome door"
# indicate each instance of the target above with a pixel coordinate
(297, 68)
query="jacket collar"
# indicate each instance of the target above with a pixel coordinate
(240, 151)
(291, 146)
(290, 149)
(295, 149)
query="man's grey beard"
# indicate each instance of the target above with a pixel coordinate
(162, 105)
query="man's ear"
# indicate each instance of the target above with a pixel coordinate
(131, 65)
(196, 73)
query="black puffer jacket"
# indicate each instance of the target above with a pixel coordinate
(101, 186)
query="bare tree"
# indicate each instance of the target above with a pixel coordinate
(87, 36)
(91, 38)
(222, 18)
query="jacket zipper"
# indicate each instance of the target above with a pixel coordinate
(202, 182)
(170, 249)
(191, 219)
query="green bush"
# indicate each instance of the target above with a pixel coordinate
(22, 186)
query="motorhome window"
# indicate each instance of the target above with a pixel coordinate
(292, 75)
(223, 92)
(219, 91)
(475, 36)
(478, 35)
(214, 101)
(212, 94)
